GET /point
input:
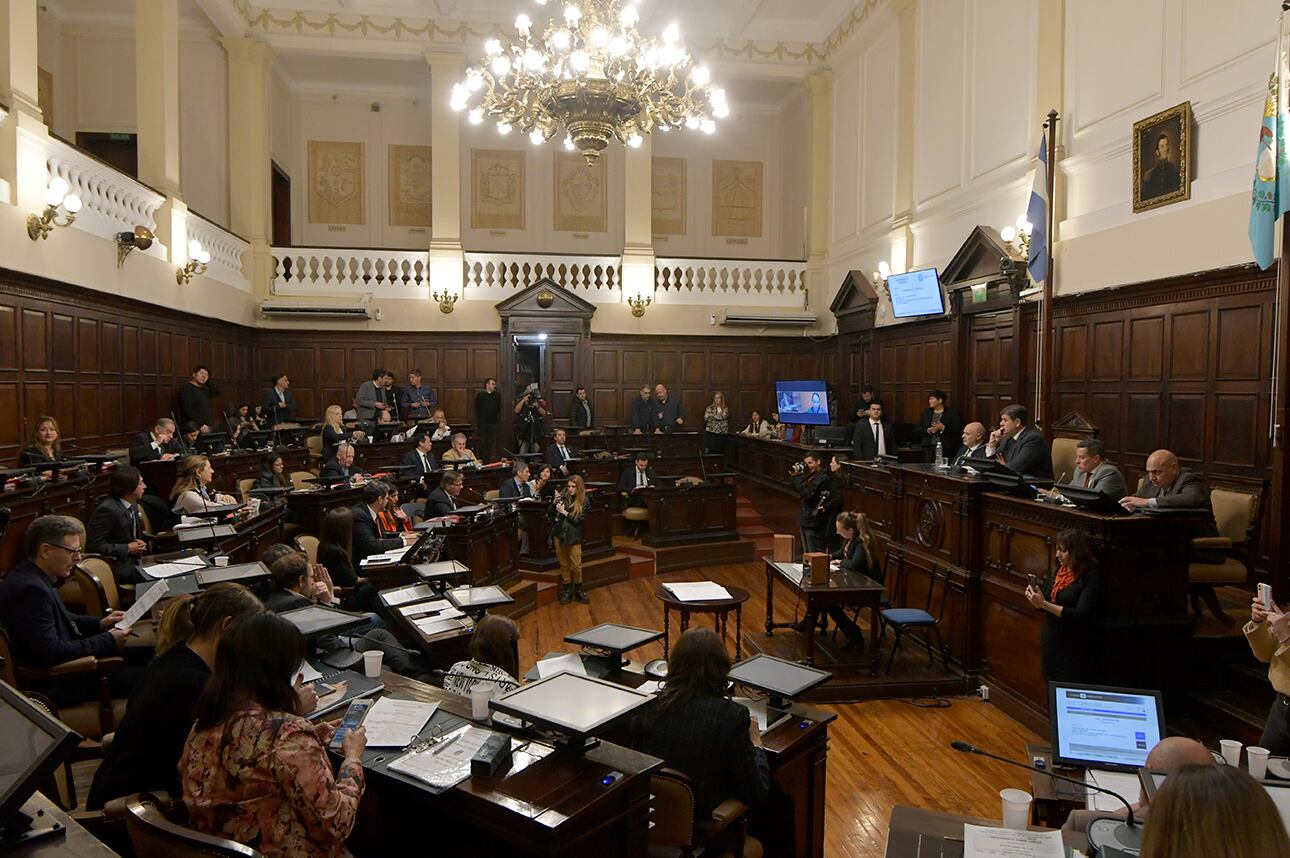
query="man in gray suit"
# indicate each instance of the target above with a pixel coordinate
(1171, 486)
(1094, 472)
(374, 396)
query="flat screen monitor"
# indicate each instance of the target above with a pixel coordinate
(777, 677)
(614, 637)
(916, 293)
(571, 704)
(319, 620)
(34, 745)
(1097, 726)
(802, 402)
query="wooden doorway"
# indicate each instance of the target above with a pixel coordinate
(280, 196)
(120, 151)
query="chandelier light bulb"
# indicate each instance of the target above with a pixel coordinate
(599, 37)
(692, 122)
(701, 75)
(474, 80)
(580, 61)
(503, 128)
(58, 186)
(1024, 226)
(1008, 234)
(52, 196)
(672, 33)
(523, 23)
(535, 137)
(501, 65)
(476, 116)
(204, 257)
(572, 14)
(635, 141)
(721, 111)
(492, 47)
(707, 126)
(568, 143)
(617, 46)
(717, 95)
(72, 203)
(194, 249)
(651, 58)
(560, 39)
(541, 2)
(628, 17)
(884, 269)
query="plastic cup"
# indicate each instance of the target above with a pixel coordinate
(479, 697)
(1258, 761)
(221, 560)
(1231, 751)
(372, 663)
(1016, 808)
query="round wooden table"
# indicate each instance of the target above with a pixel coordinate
(719, 608)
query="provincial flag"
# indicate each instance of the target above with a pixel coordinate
(1270, 198)
(1037, 214)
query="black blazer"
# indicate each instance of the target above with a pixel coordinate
(338, 565)
(853, 557)
(33, 456)
(141, 449)
(641, 413)
(508, 489)
(275, 412)
(810, 489)
(552, 457)
(664, 415)
(413, 459)
(568, 528)
(863, 444)
(1068, 645)
(332, 438)
(269, 480)
(627, 479)
(439, 503)
(334, 469)
(580, 417)
(1028, 456)
(964, 456)
(43, 631)
(110, 531)
(367, 539)
(951, 436)
(195, 402)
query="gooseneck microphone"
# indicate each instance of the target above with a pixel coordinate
(1120, 839)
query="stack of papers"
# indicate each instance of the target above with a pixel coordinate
(445, 763)
(441, 608)
(697, 591)
(388, 557)
(417, 592)
(176, 567)
(434, 624)
(980, 841)
(394, 723)
(568, 663)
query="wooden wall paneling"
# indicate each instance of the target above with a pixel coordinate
(8, 337)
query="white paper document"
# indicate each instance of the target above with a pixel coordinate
(176, 567)
(445, 763)
(1122, 782)
(982, 841)
(441, 608)
(394, 723)
(568, 663)
(697, 591)
(308, 671)
(388, 557)
(434, 625)
(757, 709)
(404, 595)
(141, 608)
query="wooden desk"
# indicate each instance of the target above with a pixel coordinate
(619, 439)
(76, 497)
(1054, 799)
(310, 507)
(844, 590)
(252, 537)
(912, 828)
(766, 462)
(229, 468)
(684, 516)
(672, 465)
(597, 531)
(719, 608)
(73, 842)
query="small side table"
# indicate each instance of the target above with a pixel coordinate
(719, 608)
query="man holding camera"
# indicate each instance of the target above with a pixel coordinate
(811, 483)
(530, 411)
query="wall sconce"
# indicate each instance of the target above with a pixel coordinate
(880, 277)
(56, 195)
(196, 264)
(638, 303)
(1019, 236)
(140, 238)
(447, 298)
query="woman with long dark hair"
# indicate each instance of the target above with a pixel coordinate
(1213, 812)
(43, 445)
(494, 658)
(272, 473)
(570, 513)
(192, 492)
(696, 728)
(1068, 645)
(254, 769)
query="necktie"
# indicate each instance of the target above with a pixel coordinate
(425, 466)
(564, 455)
(134, 521)
(1088, 478)
(640, 478)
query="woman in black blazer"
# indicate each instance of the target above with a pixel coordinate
(43, 446)
(852, 557)
(1068, 645)
(949, 429)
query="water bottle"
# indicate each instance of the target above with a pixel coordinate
(940, 455)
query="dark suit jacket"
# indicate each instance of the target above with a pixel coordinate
(195, 402)
(141, 449)
(641, 413)
(951, 435)
(810, 488)
(413, 458)
(863, 444)
(333, 469)
(964, 456)
(1187, 492)
(552, 456)
(276, 412)
(110, 531)
(627, 479)
(853, 557)
(439, 503)
(1028, 456)
(43, 631)
(367, 539)
(33, 456)
(580, 417)
(663, 415)
(338, 564)
(508, 489)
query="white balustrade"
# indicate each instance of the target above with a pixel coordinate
(226, 249)
(325, 270)
(769, 278)
(111, 201)
(511, 272)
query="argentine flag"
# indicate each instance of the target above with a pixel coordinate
(1271, 196)
(1037, 214)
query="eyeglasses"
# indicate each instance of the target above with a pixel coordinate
(76, 552)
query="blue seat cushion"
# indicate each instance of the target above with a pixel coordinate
(908, 617)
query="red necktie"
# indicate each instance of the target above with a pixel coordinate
(1087, 478)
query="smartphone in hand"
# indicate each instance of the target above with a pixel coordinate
(352, 721)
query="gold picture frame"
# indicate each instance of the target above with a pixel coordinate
(1162, 158)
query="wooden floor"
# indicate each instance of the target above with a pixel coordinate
(881, 753)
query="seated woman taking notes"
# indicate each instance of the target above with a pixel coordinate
(192, 492)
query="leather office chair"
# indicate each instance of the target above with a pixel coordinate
(93, 719)
(675, 831)
(154, 836)
(1235, 513)
(244, 487)
(309, 545)
(298, 480)
(1063, 455)
(315, 445)
(492, 494)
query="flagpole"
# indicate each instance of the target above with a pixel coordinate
(1048, 331)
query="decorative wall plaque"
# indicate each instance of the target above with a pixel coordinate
(736, 198)
(581, 195)
(409, 185)
(496, 189)
(667, 188)
(335, 182)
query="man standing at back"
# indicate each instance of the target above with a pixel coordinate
(195, 398)
(667, 413)
(488, 411)
(641, 412)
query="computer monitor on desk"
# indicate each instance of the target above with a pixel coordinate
(35, 744)
(614, 639)
(1098, 726)
(574, 706)
(1091, 500)
(781, 680)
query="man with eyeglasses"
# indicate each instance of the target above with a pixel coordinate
(43, 631)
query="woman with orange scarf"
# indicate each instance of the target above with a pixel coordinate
(1068, 645)
(393, 519)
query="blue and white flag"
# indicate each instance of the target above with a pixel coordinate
(1271, 196)
(1037, 214)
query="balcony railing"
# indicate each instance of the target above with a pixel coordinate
(111, 201)
(334, 269)
(514, 271)
(713, 276)
(226, 249)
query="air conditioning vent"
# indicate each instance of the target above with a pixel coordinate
(346, 311)
(775, 319)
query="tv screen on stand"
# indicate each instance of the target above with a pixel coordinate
(916, 293)
(803, 403)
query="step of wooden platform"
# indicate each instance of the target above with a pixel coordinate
(597, 573)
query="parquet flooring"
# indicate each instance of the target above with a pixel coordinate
(881, 753)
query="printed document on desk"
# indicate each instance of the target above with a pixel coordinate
(441, 608)
(407, 594)
(445, 763)
(567, 663)
(982, 841)
(394, 723)
(697, 591)
(388, 557)
(178, 567)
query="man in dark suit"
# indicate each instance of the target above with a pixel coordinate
(342, 465)
(367, 539)
(1019, 445)
(580, 412)
(43, 631)
(114, 528)
(195, 398)
(160, 443)
(516, 486)
(560, 452)
(278, 402)
(973, 438)
(812, 506)
(666, 414)
(872, 436)
(420, 459)
(640, 475)
(640, 408)
(1171, 486)
(443, 500)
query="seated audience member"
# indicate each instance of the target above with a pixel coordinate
(1068, 644)
(368, 538)
(42, 630)
(559, 452)
(273, 475)
(441, 429)
(443, 500)
(641, 412)
(639, 476)
(1269, 635)
(420, 459)
(542, 476)
(696, 728)
(342, 466)
(191, 492)
(160, 443)
(515, 486)
(937, 422)
(335, 432)
(145, 751)
(43, 445)
(1213, 812)
(296, 584)
(580, 410)
(1019, 445)
(254, 770)
(1094, 472)
(494, 658)
(1171, 486)
(114, 529)
(278, 402)
(334, 547)
(851, 558)
(757, 427)
(393, 519)
(1168, 756)
(458, 452)
(973, 447)
(872, 436)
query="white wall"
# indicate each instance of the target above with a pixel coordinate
(203, 126)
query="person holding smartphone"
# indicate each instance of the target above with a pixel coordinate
(1068, 597)
(570, 513)
(1268, 633)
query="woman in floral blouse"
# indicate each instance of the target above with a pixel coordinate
(254, 770)
(716, 423)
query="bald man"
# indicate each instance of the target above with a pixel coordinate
(973, 445)
(1171, 486)
(1168, 756)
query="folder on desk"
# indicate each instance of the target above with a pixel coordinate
(356, 686)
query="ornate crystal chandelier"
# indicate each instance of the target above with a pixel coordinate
(591, 77)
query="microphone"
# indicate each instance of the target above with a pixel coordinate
(1124, 838)
(179, 435)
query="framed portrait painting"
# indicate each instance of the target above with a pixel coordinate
(1162, 158)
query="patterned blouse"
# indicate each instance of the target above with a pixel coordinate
(716, 419)
(501, 680)
(263, 779)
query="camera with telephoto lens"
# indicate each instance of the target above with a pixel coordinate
(797, 469)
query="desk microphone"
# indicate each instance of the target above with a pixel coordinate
(1122, 839)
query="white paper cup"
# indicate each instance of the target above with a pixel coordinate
(479, 697)
(1231, 751)
(221, 560)
(1258, 761)
(1016, 808)
(372, 663)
